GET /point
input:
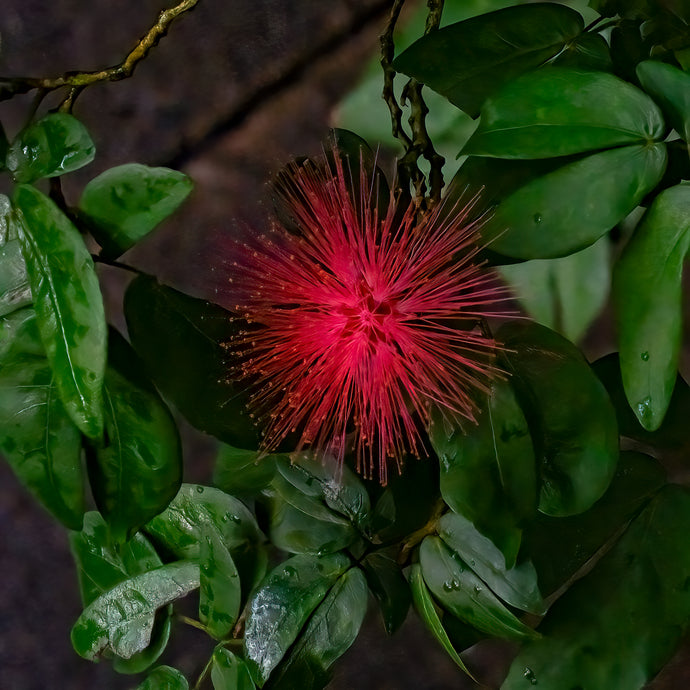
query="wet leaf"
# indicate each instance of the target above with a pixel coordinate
(516, 585)
(125, 203)
(239, 471)
(229, 672)
(121, 620)
(619, 625)
(572, 207)
(37, 437)
(160, 636)
(460, 591)
(557, 111)
(647, 297)
(389, 586)
(470, 60)
(164, 678)
(15, 291)
(281, 606)
(571, 417)
(68, 303)
(330, 632)
(55, 145)
(167, 327)
(139, 470)
(488, 470)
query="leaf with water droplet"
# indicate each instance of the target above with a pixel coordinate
(15, 291)
(229, 672)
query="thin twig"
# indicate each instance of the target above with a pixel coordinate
(77, 81)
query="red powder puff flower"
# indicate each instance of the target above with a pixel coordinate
(361, 322)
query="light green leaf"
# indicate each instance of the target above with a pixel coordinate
(229, 672)
(164, 678)
(239, 471)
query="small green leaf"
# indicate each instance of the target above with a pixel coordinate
(460, 591)
(139, 470)
(557, 112)
(671, 89)
(69, 306)
(330, 632)
(572, 420)
(164, 678)
(180, 339)
(573, 206)
(389, 586)
(517, 586)
(124, 204)
(427, 611)
(488, 470)
(619, 625)
(470, 60)
(281, 606)
(229, 672)
(37, 437)
(647, 296)
(121, 620)
(15, 291)
(55, 145)
(239, 471)
(220, 593)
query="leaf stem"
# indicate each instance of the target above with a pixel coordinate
(416, 537)
(203, 674)
(192, 622)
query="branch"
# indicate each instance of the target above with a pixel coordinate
(77, 81)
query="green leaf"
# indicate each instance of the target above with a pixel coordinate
(125, 203)
(557, 112)
(139, 470)
(670, 87)
(620, 624)
(55, 145)
(573, 206)
(121, 620)
(160, 636)
(69, 306)
(572, 420)
(488, 470)
(15, 291)
(460, 591)
(37, 437)
(180, 339)
(281, 606)
(470, 60)
(587, 51)
(517, 586)
(229, 672)
(565, 294)
(239, 471)
(330, 632)
(164, 678)
(220, 592)
(389, 586)
(647, 296)
(427, 611)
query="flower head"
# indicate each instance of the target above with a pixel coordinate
(362, 321)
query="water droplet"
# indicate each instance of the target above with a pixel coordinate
(528, 673)
(448, 586)
(203, 610)
(644, 407)
(200, 489)
(644, 356)
(477, 589)
(290, 571)
(537, 218)
(473, 562)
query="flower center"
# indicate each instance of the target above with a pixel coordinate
(369, 317)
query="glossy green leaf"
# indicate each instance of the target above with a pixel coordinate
(281, 606)
(618, 626)
(69, 306)
(160, 636)
(587, 51)
(389, 586)
(15, 291)
(559, 547)
(573, 422)
(125, 203)
(558, 112)
(427, 611)
(470, 60)
(229, 672)
(121, 620)
(239, 471)
(327, 636)
(565, 294)
(55, 145)
(37, 437)
(517, 585)
(647, 295)
(164, 678)
(573, 206)
(460, 591)
(488, 470)
(671, 89)
(167, 328)
(138, 471)
(220, 592)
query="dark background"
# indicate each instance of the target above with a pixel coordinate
(233, 92)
